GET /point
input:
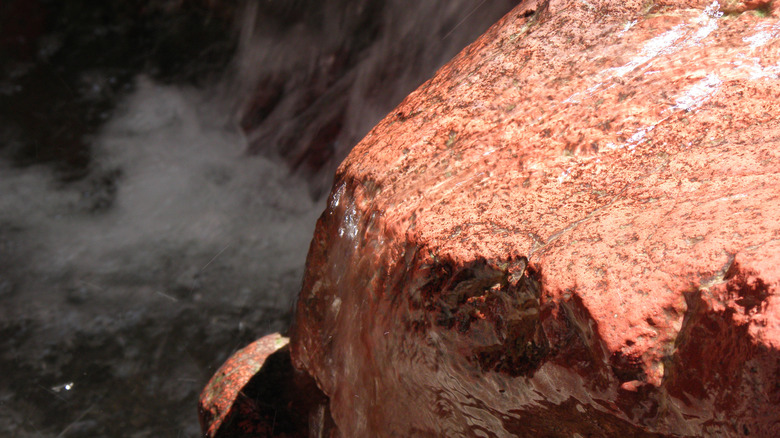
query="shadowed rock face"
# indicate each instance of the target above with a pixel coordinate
(570, 229)
(257, 393)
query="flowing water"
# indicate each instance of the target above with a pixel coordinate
(161, 169)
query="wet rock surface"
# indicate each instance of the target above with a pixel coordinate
(571, 229)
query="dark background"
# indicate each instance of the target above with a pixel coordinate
(162, 164)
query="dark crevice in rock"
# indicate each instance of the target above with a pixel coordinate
(493, 303)
(626, 368)
(715, 349)
(279, 401)
(750, 293)
(576, 342)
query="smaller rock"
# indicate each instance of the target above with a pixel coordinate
(257, 393)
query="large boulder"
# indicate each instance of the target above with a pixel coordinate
(571, 230)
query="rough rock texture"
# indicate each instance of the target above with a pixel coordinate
(571, 229)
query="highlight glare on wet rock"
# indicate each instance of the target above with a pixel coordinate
(572, 228)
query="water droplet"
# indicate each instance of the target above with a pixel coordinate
(63, 387)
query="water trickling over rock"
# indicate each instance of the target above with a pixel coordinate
(568, 231)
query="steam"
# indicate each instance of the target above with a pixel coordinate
(173, 199)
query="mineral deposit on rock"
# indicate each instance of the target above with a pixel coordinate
(570, 230)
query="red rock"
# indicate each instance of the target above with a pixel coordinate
(571, 229)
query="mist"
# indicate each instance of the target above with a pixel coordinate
(175, 225)
(182, 234)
